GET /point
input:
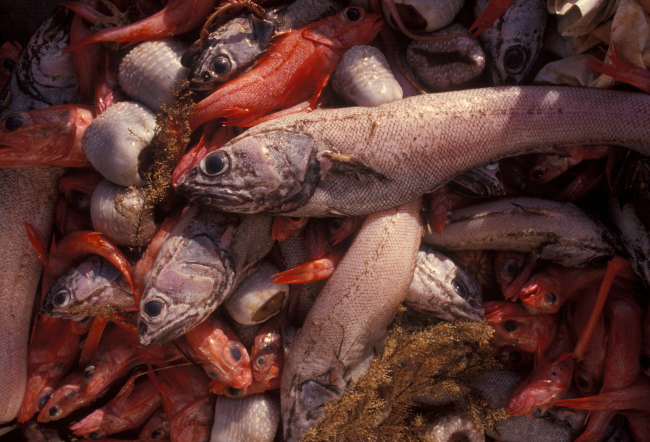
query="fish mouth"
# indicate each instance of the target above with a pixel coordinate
(212, 199)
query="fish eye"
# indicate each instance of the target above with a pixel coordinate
(335, 225)
(8, 64)
(153, 308)
(221, 65)
(215, 164)
(514, 59)
(156, 434)
(510, 326)
(78, 200)
(61, 298)
(448, 217)
(212, 375)
(537, 173)
(235, 353)
(235, 392)
(525, 187)
(352, 14)
(232, 354)
(551, 298)
(295, 220)
(537, 412)
(510, 267)
(53, 411)
(515, 357)
(89, 372)
(95, 435)
(259, 362)
(459, 287)
(14, 122)
(44, 398)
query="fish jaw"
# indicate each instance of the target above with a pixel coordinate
(39, 391)
(262, 172)
(67, 398)
(100, 422)
(540, 395)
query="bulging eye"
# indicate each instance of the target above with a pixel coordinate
(153, 308)
(514, 59)
(335, 225)
(89, 372)
(351, 14)
(448, 217)
(260, 361)
(537, 173)
(156, 434)
(8, 64)
(78, 200)
(296, 220)
(15, 121)
(510, 326)
(233, 354)
(510, 267)
(215, 164)
(221, 65)
(551, 298)
(459, 287)
(61, 298)
(44, 398)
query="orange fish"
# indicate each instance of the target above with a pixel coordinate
(295, 68)
(45, 137)
(157, 428)
(513, 269)
(620, 70)
(85, 58)
(548, 165)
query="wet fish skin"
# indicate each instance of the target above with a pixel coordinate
(359, 160)
(200, 264)
(336, 342)
(253, 418)
(515, 41)
(92, 287)
(559, 232)
(41, 76)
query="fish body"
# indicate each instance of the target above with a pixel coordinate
(336, 342)
(199, 265)
(42, 77)
(253, 418)
(360, 160)
(515, 41)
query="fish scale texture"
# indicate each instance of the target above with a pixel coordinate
(422, 142)
(253, 418)
(353, 310)
(29, 195)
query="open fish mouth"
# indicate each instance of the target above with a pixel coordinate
(217, 199)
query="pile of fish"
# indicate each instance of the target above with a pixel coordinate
(238, 198)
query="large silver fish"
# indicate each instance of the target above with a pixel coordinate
(350, 316)
(200, 264)
(515, 42)
(361, 160)
(41, 76)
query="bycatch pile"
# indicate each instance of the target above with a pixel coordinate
(325, 220)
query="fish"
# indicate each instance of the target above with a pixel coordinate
(203, 260)
(515, 42)
(253, 418)
(45, 137)
(336, 342)
(90, 288)
(513, 269)
(286, 226)
(549, 166)
(295, 68)
(345, 162)
(156, 428)
(73, 207)
(43, 76)
(515, 326)
(131, 408)
(558, 232)
(29, 196)
(267, 354)
(8, 55)
(480, 182)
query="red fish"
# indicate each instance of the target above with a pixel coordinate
(548, 382)
(443, 201)
(223, 356)
(131, 408)
(621, 70)
(514, 326)
(492, 12)
(634, 397)
(45, 137)
(548, 165)
(85, 58)
(52, 353)
(513, 269)
(177, 17)
(295, 68)
(286, 226)
(157, 427)
(267, 355)
(187, 402)
(72, 211)
(8, 55)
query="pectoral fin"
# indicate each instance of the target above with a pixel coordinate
(349, 164)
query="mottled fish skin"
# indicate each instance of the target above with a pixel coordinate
(515, 41)
(442, 288)
(350, 316)
(361, 160)
(201, 263)
(252, 418)
(559, 232)
(41, 77)
(93, 287)
(480, 182)
(29, 195)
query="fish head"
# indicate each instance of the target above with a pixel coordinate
(305, 406)
(286, 226)
(192, 276)
(512, 325)
(78, 188)
(231, 366)
(64, 400)
(275, 170)
(542, 294)
(514, 358)
(156, 428)
(227, 52)
(352, 26)
(38, 393)
(98, 423)
(548, 166)
(508, 265)
(267, 356)
(194, 422)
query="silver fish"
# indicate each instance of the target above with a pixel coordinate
(95, 286)
(559, 232)
(41, 76)
(480, 182)
(201, 263)
(515, 42)
(443, 289)
(360, 160)
(350, 316)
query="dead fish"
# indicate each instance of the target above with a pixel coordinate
(559, 232)
(200, 264)
(95, 286)
(41, 76)
(336, 343)
(232, 48)
(515, 41)
(480, 182)
(360, 160)
(442, 288)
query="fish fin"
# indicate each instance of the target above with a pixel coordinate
(620, 70)
(350, 164)
(492, 12)
(37, 243)
(92, 340)
(309, 272)
(583, 403)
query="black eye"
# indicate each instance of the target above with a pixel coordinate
(551, 298)
(89, 372)
(510, 326)
(235, 392)
(215, 164)
(156, 434)
(514, 59)
(95, 435)
(60, 298)
(8, 64)
(44, 399)
(645, 362)
(53, 411)
(537, 173)
(515, 357)
(235, 353)
(353, 14)
(537, 412)
(78, 200)
(221, 65)
(448, 217)
(260, 361)
(525, 187)
(153, 308)
(511, 268)
(335, 225)
(583, 382)
(14, 122)
(212, 375)
(459, 287)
